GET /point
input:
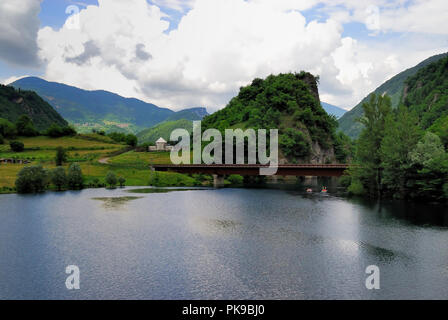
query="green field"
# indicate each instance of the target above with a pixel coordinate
(87, 150)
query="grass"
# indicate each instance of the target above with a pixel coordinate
(87, 150)
(145, 158)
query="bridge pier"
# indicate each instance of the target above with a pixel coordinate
(218, 181)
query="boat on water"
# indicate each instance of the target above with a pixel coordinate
(324, 190)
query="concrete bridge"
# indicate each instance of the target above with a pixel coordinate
(220, 171)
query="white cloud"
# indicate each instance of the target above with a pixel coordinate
(219, 46)
(19, 24)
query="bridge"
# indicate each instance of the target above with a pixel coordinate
(220, 170)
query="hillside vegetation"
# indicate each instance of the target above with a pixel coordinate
(290, 103)
(101, 110)
(394, 88)
(164, 129)
(402, 152)
(15, 103)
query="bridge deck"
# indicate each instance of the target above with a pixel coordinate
(321, 170)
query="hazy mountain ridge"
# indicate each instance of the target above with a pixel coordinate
(101, 110)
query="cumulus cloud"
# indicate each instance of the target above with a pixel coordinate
(220, 45)
(19, 25)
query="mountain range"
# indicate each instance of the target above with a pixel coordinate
(103, 110)
(394, 87)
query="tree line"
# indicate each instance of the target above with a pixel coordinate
(396, 157)
(36, 179)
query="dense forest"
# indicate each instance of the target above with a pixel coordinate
(290, 103)
(401, 152)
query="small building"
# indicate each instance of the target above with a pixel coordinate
(161, 145)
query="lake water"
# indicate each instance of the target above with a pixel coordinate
(219, 244)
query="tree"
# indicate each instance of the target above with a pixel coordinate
(74, 177)
(111, 179)
(61, 156)
(16, 146)
(2, 140)
(56, 131)
(7, 129)
(25, 127)
(368, 154)
(131, 140)
(121, 181)
(429, 148)
(294, 144)
(58, 177)
(31, 180)
(400, 137)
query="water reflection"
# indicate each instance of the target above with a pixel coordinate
(280, 243)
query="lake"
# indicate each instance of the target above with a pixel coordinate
(219, 244)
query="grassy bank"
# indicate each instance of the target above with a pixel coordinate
(87, 150)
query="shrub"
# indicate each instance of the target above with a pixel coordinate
(17, 146)
(121, 181)
(31, 180)
(61, 156)
(56, 131)
(7, 129)
(356, 188)
(235, 179)
(74, 177)
(111, 179)
(58, 177)
(25, 127)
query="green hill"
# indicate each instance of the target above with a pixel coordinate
(163, 130)
(101, 110)
(393, 87)
(290, 103)
(14, 103)
(426, 93)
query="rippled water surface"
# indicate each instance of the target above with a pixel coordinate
(219, 244)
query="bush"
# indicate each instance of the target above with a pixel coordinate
(58, 177)
(131, 140)
(7, 129)
(2, 140)
(31, 180)
(111, 179)
(121, 181)
(56, 131)
(235, 179)
(61, 156)
(74, 177)
(25, 127)
(17, 146)
(356, 188)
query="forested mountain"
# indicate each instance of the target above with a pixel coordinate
(100, 110)
(394, 87)
(426, 94)
(290, 103)
(402, 152)
(15, 103)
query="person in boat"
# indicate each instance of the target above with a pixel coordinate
(309, 190)
(324, 189)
